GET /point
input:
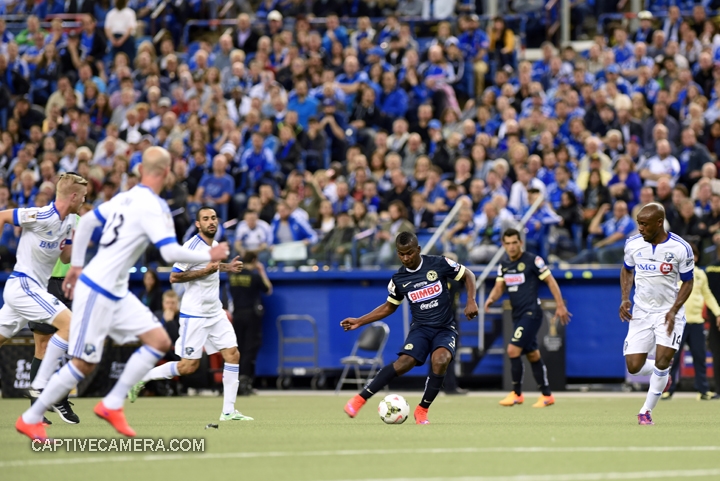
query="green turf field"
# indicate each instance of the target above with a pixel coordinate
(306, 436)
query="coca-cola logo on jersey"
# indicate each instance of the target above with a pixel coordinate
(666, 268)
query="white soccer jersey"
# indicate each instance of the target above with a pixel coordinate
(658, 269)
(131, 221)
(254, 238)
(202, 296)
(43, 237)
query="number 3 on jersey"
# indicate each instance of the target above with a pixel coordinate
(116, 221)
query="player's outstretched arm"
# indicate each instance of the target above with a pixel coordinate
(174, 252)
(233, 266)
(626, 282)
(471, 308)
(561, 311)
(496, 293)
(380, 312)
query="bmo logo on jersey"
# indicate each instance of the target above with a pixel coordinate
(50, 245)
(428, 292)
(666, 268)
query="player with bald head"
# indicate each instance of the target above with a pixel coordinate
(102, 303)
(656, 261)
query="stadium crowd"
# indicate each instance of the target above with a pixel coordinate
(341, 137)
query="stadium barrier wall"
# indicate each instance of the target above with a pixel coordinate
(594, 337)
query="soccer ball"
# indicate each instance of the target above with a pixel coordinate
(394, 409)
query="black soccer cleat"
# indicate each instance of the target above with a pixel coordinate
(64, 410)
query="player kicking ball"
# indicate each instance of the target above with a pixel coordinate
(656, 260)
(521, 273)
(423, 280)
(203, 322)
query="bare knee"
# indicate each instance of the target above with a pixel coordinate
(231, 355)
(84, 367)
(188, 366)
(440, 361)
(513, 351)
(62, 324)
(533, 356)
(157, 338)
(403, 364)
(634, 365)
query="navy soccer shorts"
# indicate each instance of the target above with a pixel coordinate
(424, 340)
(525, 329)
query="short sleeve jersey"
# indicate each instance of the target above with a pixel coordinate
(202, 296)
(426, 288)
(522, 278)
(658, 269)
(44, 235)
(131, 221)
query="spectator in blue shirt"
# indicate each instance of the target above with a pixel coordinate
(614, 233)
(289, 228)
(392, 101)
(305, 106)
(216, 189)
(334, 33)
(257, 162)
(563, 183)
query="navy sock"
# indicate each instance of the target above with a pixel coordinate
(34, 366)
(540, 375)
(517, 368)
(433, 384)
(381, 380)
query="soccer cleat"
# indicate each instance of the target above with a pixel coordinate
(353, 406)
(512, 399)
(64, 409)
(135, 390)
(666, 396)
(235, 416)
(116, 418)
(544, 401)
(708, 396)
(36, 432)
(421, 415)
(644, 419)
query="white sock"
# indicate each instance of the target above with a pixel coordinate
(165, 371)
(647, 369)
(658, 381)
(57, 388)
(139, 364)
(56, 350)
(230, 386)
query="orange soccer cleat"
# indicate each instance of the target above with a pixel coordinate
(544, 401)
(421, 415)
(36, 431)
(353, 406)
(116, 418)
(512, 399)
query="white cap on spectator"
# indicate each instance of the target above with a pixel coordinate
(228, 149)
(164, 102)
(275, 15)
(133, 137)
(645, 15)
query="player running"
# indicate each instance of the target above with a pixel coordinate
(46, 237)
(521, 272)
(203, 322)
(102, 302)
(659, 260)
(423, 280)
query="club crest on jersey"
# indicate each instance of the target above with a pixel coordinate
(432, 276)
(189, 351)
(521, 267)
(89, 349)
(428, 292)
(669, 257)
(666, 268)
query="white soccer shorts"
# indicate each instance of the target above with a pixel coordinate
(26, 300)
(97, 315)
(213, 333)
(648, 329)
